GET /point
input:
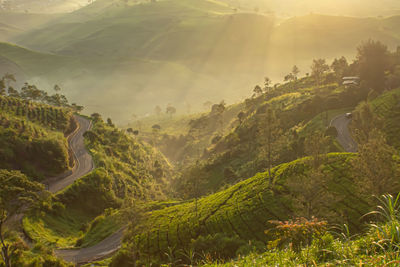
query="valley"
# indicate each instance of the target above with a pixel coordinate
(199, 133)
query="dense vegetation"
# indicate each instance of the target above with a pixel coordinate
(88, 209)
(29, 129)
(266, 181)
(277, 125)
(298, 109)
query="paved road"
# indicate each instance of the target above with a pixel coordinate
(83, 165)
(103, 249)
(341, 123)
(83, 160)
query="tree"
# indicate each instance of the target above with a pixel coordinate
(364, 122)
(340, 67)
(375, 167)
(57, 88)
(241, 115)
(310, 187)
(17, 193)
(316, 146)
(372, 62)
(219, 110)
(318, 68)
(31, 92)
(393, 78)
(96, 117)
(5, 82)
(257, 91)
(12, 92)
(2, 87)
(77, 108)
(171, 110)
(109, 122)
(289, 77)
(269, 134)
(267, 84)
(295, 72)
(158, 110)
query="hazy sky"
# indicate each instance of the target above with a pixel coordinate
(335, 7)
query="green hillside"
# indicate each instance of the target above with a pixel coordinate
(34, 63)
(244, 210)
(124, 169)
(217, 164)
(189, 47)
(32, 137)
(387, 107)
(238, 152)
(13, 23)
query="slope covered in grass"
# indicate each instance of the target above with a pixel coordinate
(87, 214)
(387, 107)
(245, 209)
(300, 109)
(32, 137)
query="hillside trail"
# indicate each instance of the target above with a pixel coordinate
(341, 123)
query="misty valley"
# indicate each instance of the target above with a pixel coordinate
(199, 133)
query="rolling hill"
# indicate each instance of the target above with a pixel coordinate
(288, 8)
(179, 51)
(46, 6)
(15, 23)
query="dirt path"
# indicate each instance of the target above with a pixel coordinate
(341, 123)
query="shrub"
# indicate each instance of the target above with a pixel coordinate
(300, 232)
(331, 131)
(218, 246)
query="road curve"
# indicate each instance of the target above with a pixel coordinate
(341, 123)
(83, 160)
(99, 251)
(83, 165)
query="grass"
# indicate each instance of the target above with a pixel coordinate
(321, 121)
(387, 107)
(175, 125)
(376, 247)
(32, 137)
(124, 168)
(61, 230)
(244, 209)
(100, 228)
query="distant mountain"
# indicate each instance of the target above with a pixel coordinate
(288, 8)
(42, 6)
(191, 51)
(7, 66)
(13, 24)
(6, 31)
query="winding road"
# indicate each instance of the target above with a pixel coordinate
(341, 123)
(83, 165)
(83, 160)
